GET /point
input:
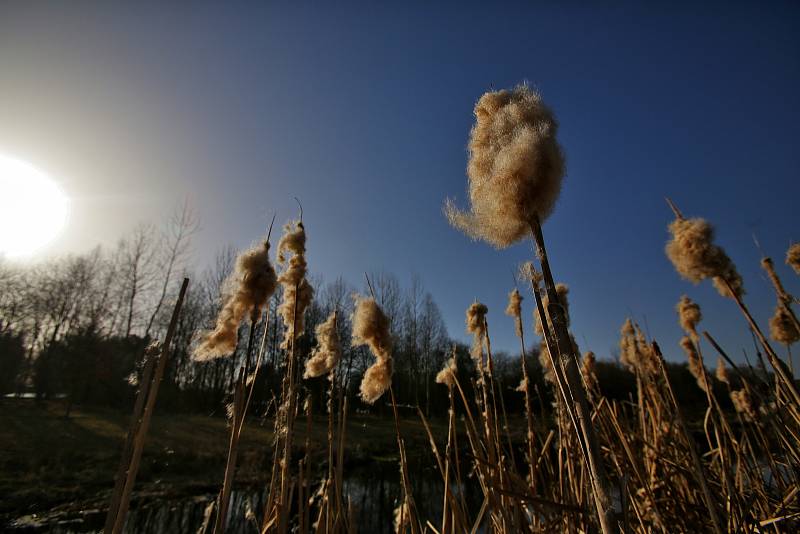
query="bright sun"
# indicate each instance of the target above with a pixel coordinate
(33, 209)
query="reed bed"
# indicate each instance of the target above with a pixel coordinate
(592, 463)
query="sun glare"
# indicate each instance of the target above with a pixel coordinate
(33, 208)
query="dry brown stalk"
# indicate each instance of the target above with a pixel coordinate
(116, 517)
(575, 391)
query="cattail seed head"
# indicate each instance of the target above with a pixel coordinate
(514, 309)
(628, 352)
(297, 292)
(371, 328)
(695, 256)
(328, 351)
(722, 371)
(743, 404)
(689, 315)
(546, 362)
(523, 385)
(793, 257)
(402, 517)
(695, 363)
(769, 267)
(447, 375)
(476, 325)
(781, 327)
(515, 167)
(529, 273)
(246, 290)
(635, 353)
(588, 369)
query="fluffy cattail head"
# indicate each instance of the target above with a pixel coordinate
(793, 257)
(781, 327)
(523, 385)
(402, 517)
(695, 362)
(743, 404)
(562, 290)
(546, 362)
(371, 328)
(447, 375)
(514, 309)
(515, 167)
(635, 353)
(377, 380)
(256, 277)
(628, 352)
(328, 352)
(722, 371)
(769, 267)
(246, 290)
(695, 256)
(476, 325)
(689, 315)
(529, 273)
(293, 240)
(297, 292)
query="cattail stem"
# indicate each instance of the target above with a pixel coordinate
(600, 483)
(233, 448)
(404, 478)
(777, 364)
(289, 401)
(240, 405)
(127, 451)
(528, 415)
(152, 394)
(701, 478)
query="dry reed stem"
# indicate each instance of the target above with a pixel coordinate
(777, 364)
(515, 310)
(698, 469)
(152, 394)
(127, 451)
(237, 420)
(585, 431)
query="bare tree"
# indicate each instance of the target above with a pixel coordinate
(174, 251)
(136, 257)
(431, 343)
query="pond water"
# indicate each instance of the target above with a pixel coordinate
(374, 491)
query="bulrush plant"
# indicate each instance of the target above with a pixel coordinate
(515, 171)
(297, 296)
(371, 328)
(715, 468)
(155, 365)
(784, 327)
(793, 257)
(323, 361)
(696, 257)
(246, 291)
(514, 310)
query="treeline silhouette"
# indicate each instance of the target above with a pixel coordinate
(76, 328)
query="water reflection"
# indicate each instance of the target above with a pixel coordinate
(374, 491)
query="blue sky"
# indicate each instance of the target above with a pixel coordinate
(363, 112)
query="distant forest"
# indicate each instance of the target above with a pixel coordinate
(76, 328)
